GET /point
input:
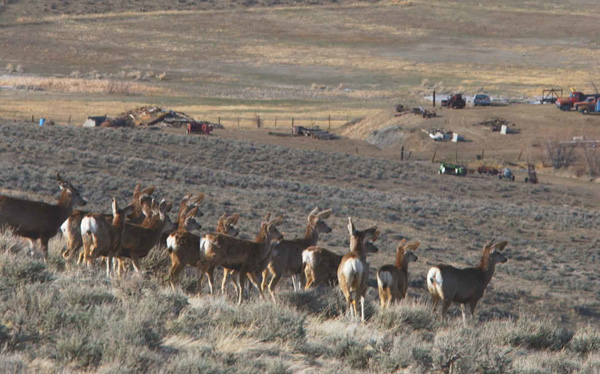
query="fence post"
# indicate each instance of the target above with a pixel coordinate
(520, 154)
(402, 153)
(330, 122)
(238, 122)
(482, 153)
(69, 122)
(275, 121)
(32, 118)
(433, 157)
(219, 120)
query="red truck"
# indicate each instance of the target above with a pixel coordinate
(567, 103)
(586, 106)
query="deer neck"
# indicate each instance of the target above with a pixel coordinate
(65, 204)
(357, 245)
(489, 272)
(312, 234)
(400, 260)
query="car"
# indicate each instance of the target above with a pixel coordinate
(481, 100)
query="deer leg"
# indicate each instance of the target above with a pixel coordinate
(472, 306)
(200, 270)
(445, 307)
(463, 311)
(210, 276)
(136, 264)
(435, 300)
(44, 244)
(241, 278)
(362, 308)
(273, 283)
(309, 280)
(224, 281)
(381, 297)
(252, 278)
(265, 277)
(174, 273)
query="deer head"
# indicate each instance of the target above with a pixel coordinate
(69, 192)
(405, 253)
(316, 220)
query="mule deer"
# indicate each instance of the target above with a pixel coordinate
(248, 258)
(183, 248)
(353, 272)
(35, 220)
(101, 237)
(137, 241)
(464, 286)
(287, 254)
(71, 228)
(392, 280)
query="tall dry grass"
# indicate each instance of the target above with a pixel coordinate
(81, 85)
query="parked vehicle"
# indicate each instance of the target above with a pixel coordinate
(455, 101)
(567, 103)
(588, 103)
(452, 169)
(481, 100)
(507, 174)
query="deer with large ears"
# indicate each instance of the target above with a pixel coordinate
(392, 280)
(248, 258)
(71, 228)
(353, 272)
(101, 236)
(287, 253)
(464, 286)
(35, 220)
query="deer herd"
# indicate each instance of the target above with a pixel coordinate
(130, 232)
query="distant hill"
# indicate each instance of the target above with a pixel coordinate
(14, 9)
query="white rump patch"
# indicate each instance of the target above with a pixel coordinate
(308, 257)
(352, 267)
(384, 279)
(64, 227)
(89, 225)
(172, 242)
(434, 280)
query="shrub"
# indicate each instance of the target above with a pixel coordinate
(539, 335)
(586, 341)
(413, 316)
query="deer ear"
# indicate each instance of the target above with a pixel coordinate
(162, 207)
(402, 243)
(199, 198)
(266, 218)
(324, 214)
(192, 213)
(223, 217)
(169, 206)
(489, 244)
(375, 234)
(148, 191)
(233, 219)
(277, 221)
(115, 206)
(59, 178)
(137, 190)
(413, 246)
(500, 246)
(351, 227)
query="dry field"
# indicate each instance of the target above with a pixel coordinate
(536, 316)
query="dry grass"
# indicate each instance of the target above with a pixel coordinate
(80, 85)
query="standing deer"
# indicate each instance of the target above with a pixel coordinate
(71, 228)
(183, 248)
(353, 272)
(287, 254)
(320, 264)
(101, 237)
(248, 258)
(464, 286)
(137, 241)
(392, 280)
(35, 220)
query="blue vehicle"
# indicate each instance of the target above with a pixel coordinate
(481, 100)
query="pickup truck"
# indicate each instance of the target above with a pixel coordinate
(567, 103)
(587, 105)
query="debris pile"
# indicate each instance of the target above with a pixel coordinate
(441, 135)
(423, 112)
(496, 123)
(150, 116)
(313, 132)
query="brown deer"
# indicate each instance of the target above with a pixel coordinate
(464, 286)
(320, 264)
(287, 254)
(137, 241)
(247, 257)
(353, 272)
(35, 220)
(71, 228)
(392, 280)
(102, 236)
(183, 248)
